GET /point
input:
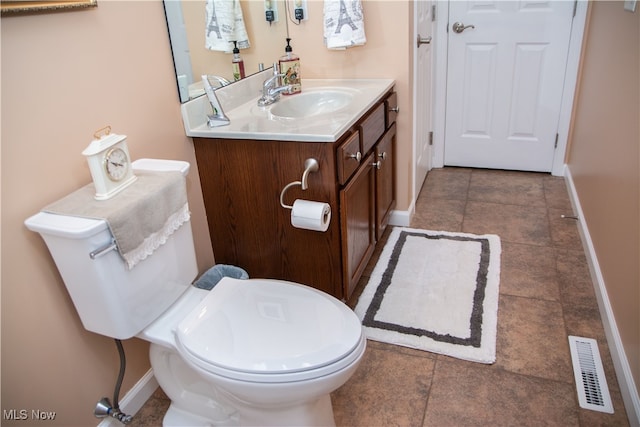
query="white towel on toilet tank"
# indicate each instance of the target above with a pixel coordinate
(224, 25)
(343, 24)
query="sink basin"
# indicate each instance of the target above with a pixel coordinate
(308, 104)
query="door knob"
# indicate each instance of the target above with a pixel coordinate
(423, 40)
(459, 27)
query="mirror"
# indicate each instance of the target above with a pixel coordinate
(186, 21)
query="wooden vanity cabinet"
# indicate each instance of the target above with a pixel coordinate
(242, 181)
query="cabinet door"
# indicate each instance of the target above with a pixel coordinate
(357, 220)
(385, 179)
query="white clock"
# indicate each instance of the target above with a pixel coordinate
(109, 163)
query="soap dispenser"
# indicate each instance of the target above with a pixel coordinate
(238, 63)
(290, 69)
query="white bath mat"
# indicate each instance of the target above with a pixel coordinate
(435, 291)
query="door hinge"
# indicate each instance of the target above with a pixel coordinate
(431, 138)
(575, 7)
(555, 145)
(433, 12)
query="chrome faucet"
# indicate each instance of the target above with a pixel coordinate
(270, 89)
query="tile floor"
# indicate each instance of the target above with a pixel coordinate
(546, 294)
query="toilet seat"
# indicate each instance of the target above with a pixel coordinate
(269, 331)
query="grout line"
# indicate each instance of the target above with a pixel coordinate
(466, 202)
(431, 385)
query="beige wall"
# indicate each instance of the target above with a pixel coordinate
(604, 160)
(64, 75)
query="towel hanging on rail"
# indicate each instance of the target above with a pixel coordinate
(343, 24)
(224, 25)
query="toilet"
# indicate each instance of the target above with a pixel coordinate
(247, 352)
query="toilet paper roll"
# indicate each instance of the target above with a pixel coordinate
(311, 215)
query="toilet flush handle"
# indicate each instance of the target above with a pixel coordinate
(103, 250)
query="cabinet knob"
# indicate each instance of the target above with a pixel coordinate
(377, 164)
(383, 155)
(357, 156)
(395, 109)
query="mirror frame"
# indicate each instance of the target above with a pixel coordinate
(16, 7)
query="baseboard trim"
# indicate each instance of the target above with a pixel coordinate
(135, 399)
(620, 361)
(402, 218)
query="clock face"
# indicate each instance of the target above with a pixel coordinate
(116, 164)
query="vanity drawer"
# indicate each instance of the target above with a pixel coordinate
(372, 128)
(391, 109)
(348, 157)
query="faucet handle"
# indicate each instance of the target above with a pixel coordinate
(276, 68)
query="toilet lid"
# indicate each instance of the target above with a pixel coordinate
(268, 326)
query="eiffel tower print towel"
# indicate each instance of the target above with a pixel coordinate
(343, 24)
(224, 25)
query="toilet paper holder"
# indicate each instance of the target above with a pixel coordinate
(310, 165)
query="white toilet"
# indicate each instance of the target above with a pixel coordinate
(248, 352)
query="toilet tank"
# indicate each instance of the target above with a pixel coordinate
(111, 299)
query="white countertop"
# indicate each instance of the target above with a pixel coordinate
(248, 121)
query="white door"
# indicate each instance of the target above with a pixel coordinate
(505, 75)
(422, 83)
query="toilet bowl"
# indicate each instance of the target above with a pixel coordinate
(269, 351)
(247, 352)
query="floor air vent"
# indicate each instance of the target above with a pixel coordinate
(591, 383)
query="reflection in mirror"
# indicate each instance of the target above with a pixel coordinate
(186, 21)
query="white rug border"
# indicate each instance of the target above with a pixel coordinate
(486, 353)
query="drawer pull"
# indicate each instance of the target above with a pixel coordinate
(357, 156)
(383, 155)
(395, 109)
(377, 164)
